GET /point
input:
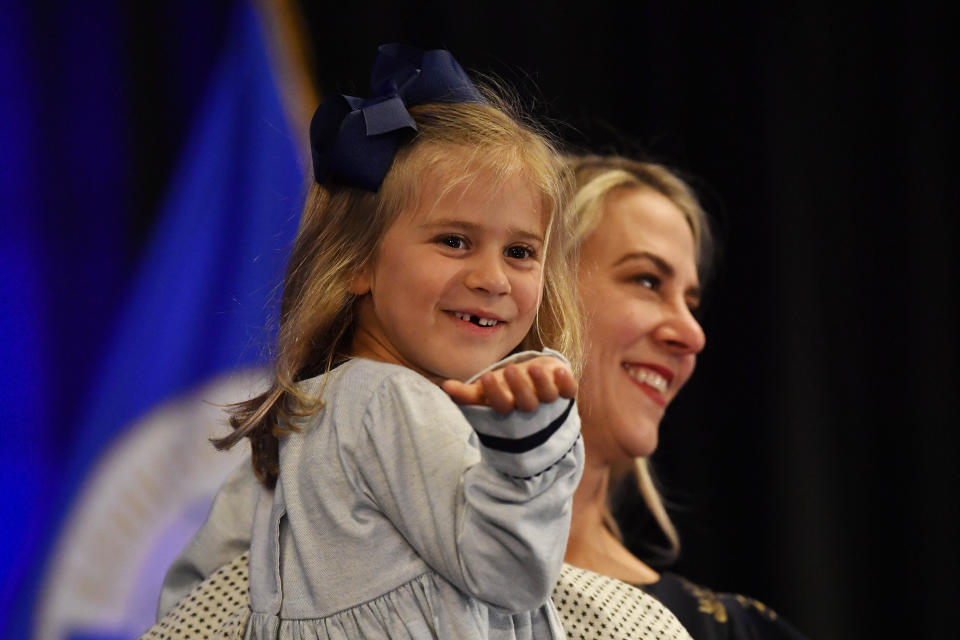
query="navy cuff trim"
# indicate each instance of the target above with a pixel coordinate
(532, 441)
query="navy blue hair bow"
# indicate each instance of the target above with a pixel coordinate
(354, 140)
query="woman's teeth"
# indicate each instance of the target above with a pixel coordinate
(483, 322)
(648, 377)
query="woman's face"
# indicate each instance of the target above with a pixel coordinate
(638, 286)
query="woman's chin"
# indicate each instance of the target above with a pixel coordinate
(640, 441)
(644, 451)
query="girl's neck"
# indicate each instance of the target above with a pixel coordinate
(592, 545)
(366, 345)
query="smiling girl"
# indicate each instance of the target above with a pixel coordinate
(430, 249)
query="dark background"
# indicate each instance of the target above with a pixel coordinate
(811, 458)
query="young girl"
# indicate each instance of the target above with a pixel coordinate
(428, 251)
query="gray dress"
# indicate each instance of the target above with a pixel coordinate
(399, 514)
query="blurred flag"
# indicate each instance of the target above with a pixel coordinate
(192, 332)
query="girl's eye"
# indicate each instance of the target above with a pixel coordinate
(519, 252)
(454, 242)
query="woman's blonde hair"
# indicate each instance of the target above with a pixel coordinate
(595, 177)
(340, 231)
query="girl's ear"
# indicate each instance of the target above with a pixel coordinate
(360, 285)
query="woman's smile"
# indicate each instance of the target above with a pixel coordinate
(652, 379)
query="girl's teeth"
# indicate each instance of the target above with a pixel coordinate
(483, 322)
(648, 377)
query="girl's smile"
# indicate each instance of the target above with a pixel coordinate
(478, 318)
(480, 322)
(457, 279)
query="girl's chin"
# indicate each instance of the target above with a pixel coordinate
(463, 372)
(439, 377)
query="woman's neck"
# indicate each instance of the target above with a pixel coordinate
(592, 545)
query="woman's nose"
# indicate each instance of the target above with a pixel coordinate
(486, 273)
(681, 331)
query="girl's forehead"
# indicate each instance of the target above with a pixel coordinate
(479, 193)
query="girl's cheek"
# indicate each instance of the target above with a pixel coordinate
(531, 291)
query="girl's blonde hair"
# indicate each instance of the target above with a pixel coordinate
(340, 231)
(595, 177)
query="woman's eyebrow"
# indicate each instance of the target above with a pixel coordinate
(665, 268)
(661, 264)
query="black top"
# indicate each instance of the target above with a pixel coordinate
(719, 616)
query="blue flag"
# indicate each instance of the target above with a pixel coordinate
(190, 336)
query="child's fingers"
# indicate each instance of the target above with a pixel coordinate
(521, 385)
(566, 383)
(545, 387)
(463, 393)
(498, 396)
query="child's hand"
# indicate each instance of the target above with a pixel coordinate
(522, 386)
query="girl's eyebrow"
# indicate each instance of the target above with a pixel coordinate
(474, 227)
(665, 268)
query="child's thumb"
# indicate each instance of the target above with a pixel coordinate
(462, 393)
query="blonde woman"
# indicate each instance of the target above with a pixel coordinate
(643, 246)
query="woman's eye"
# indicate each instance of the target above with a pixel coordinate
(696, 311)
(519, 252)
(454, 242)
(647, 280)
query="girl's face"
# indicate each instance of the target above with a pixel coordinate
(457, 279)
(638, 285)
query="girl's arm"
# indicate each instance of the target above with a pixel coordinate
(483, 498)
(522, 386)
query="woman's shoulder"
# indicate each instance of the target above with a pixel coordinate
(593, 605)
(710, 614)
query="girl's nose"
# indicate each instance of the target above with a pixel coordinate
(486, 274)
(681, 331)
